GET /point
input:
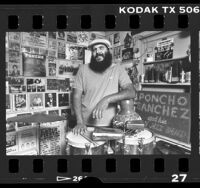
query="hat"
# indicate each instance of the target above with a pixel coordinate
(100, 41)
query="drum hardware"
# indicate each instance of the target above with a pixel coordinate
(140, 145)
(88, 149)
(87, 138)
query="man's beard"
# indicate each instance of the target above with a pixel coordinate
(100, 67)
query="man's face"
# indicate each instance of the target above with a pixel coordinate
(99, 52)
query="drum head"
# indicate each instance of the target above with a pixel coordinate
(145, 135)
(79, 141)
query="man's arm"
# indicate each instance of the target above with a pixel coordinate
(127, 92)
(80, 127)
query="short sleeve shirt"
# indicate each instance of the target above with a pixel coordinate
(96, 86)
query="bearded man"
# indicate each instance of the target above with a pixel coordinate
(98, 87)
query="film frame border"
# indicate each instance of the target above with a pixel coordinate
(147, 173)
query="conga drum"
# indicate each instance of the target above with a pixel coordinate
(140, 143)
(78, 145)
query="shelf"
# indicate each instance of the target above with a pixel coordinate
(167, 84)
(165, 60)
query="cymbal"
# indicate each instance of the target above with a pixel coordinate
(36, 118)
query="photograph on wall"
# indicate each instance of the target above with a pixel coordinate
(10, 126)
(127, 40)
(11, 143)
(117, 52)
(14, 56)
(66, 113)
(21, 125)
(27, 139)
(52, 53)
(30, 50)
(15, 69)
(52, 35)
(36, 100)
(16, 85)
(127, 54)
(63, 99)
(20, 102)
(164, 49)
(51, 67)
(52, 45)
(116, 38)
(63, 85)
(50, 138)
(83, 38)
(71, 52)
(53, 112)
(52, 84)
(61, 35)
(61, 50)
(34, 65)
(35, 85)
(14, 36)
(43, 51)
(14, 46)
(64, 68)
(50, 100)
(8, 103)
(71, 37)
(35, 39)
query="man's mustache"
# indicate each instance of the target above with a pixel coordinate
(99, 55)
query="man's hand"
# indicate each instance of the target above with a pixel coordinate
(79, 129)
(100, 107)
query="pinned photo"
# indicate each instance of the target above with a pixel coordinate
(50, 100)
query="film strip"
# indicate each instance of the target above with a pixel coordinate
(139, 36)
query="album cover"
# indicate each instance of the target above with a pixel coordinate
(127, 54)
(63, 85)
(20, 102)
(52, 45)
(50, 100)
(63, 99)
(10, 126)
(71, 37)
(64, 68)
(14, 46)
(11, 143)
(22, 125)
(53, 112)
(8, 103)
(14, 36)
(51, 67)
(35, 39)
(61, 50)
(116, 38)
(35, 85)
(83, 38)
(15, 69)
(127, 41)
(31, 50)
(52, 53)
(43, 51)
(52, 35)
(34, 65)
(50, 139)
(66, 113)
(117, 52)
(36, 101)
(27, 139)
(52, 84)
(16, 85)
(14, 56)
(61, 35)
